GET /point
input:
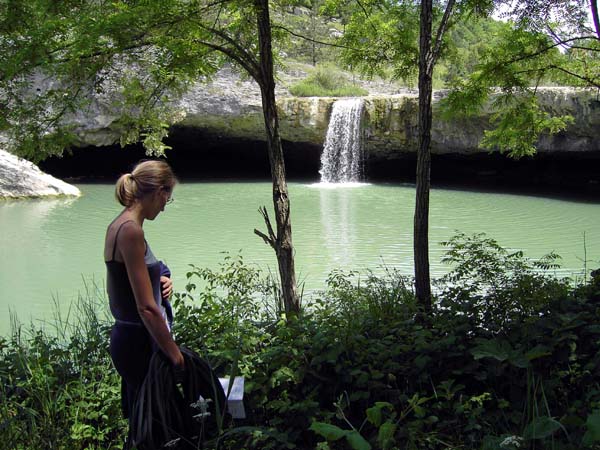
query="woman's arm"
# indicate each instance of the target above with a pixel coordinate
(133, 248)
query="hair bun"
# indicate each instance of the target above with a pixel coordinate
(146, 178)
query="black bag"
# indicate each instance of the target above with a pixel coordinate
(167, 411)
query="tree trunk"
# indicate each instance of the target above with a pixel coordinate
(594, 7)
(283, 240)
(421, 222)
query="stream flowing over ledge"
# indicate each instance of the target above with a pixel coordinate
(230, 107)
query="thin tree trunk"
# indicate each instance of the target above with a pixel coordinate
(421, 219)
(283, 239)
(594, 6)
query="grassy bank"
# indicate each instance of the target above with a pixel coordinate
(508, 359)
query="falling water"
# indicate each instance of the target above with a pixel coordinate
(341, 161)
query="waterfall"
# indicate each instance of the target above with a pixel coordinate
(341, 161)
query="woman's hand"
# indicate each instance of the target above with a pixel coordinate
(166, 286)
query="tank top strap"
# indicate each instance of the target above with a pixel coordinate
(117, 237)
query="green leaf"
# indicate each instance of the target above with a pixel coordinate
(519, 360)
(385, 437)
(419, 411)
(422, 360)
(541, 427)
(374, 414)
(356, 441)
(328, 431)
(538, 351)
(592, 434)
(496, 349)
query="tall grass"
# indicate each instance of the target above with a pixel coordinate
(57, 386)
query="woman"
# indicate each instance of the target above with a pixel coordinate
(134, 278)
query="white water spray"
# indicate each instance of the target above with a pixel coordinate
(341, 161)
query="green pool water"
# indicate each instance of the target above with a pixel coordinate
(52, 249)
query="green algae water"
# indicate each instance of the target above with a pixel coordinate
(51, 250)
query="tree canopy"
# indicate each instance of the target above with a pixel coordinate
(547, 43)
(55, 57)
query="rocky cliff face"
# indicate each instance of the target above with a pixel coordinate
(230, 107)
(391, 124)
(21, 178)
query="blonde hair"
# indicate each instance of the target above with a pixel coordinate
(146, 178)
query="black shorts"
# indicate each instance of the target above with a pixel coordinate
(131, 348)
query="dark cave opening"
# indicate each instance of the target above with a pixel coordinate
(197, 155)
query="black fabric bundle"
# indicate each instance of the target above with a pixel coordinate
(167, 413)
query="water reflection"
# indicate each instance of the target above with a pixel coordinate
(26, 221)
(37, 208)
(339, 221)
(336, 228)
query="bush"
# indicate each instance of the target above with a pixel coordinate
(507, 360)
(327, 82)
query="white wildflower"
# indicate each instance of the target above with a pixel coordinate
(201, 404)
(514, 441)
(172, 443)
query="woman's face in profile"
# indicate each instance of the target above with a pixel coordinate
(160, 199)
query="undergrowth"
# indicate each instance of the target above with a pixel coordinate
(507, 359)
(58, 388)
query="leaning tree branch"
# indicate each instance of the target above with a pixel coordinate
(594, 7)
(237, 52)
(367, 15)
(271, 239)
(306, 38)
(247, 65)
(547, 49)
(579, 47)
(561, 41)
(591, 81)
(554, 34)
(440, 32)
(27, 66)
(211, 5)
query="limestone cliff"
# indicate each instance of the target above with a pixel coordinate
(391, 123)
(230, 106)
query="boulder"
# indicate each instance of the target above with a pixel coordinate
(20, 178)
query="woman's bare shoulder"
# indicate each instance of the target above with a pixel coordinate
(130, 229)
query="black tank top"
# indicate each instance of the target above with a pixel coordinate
(120, 294)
